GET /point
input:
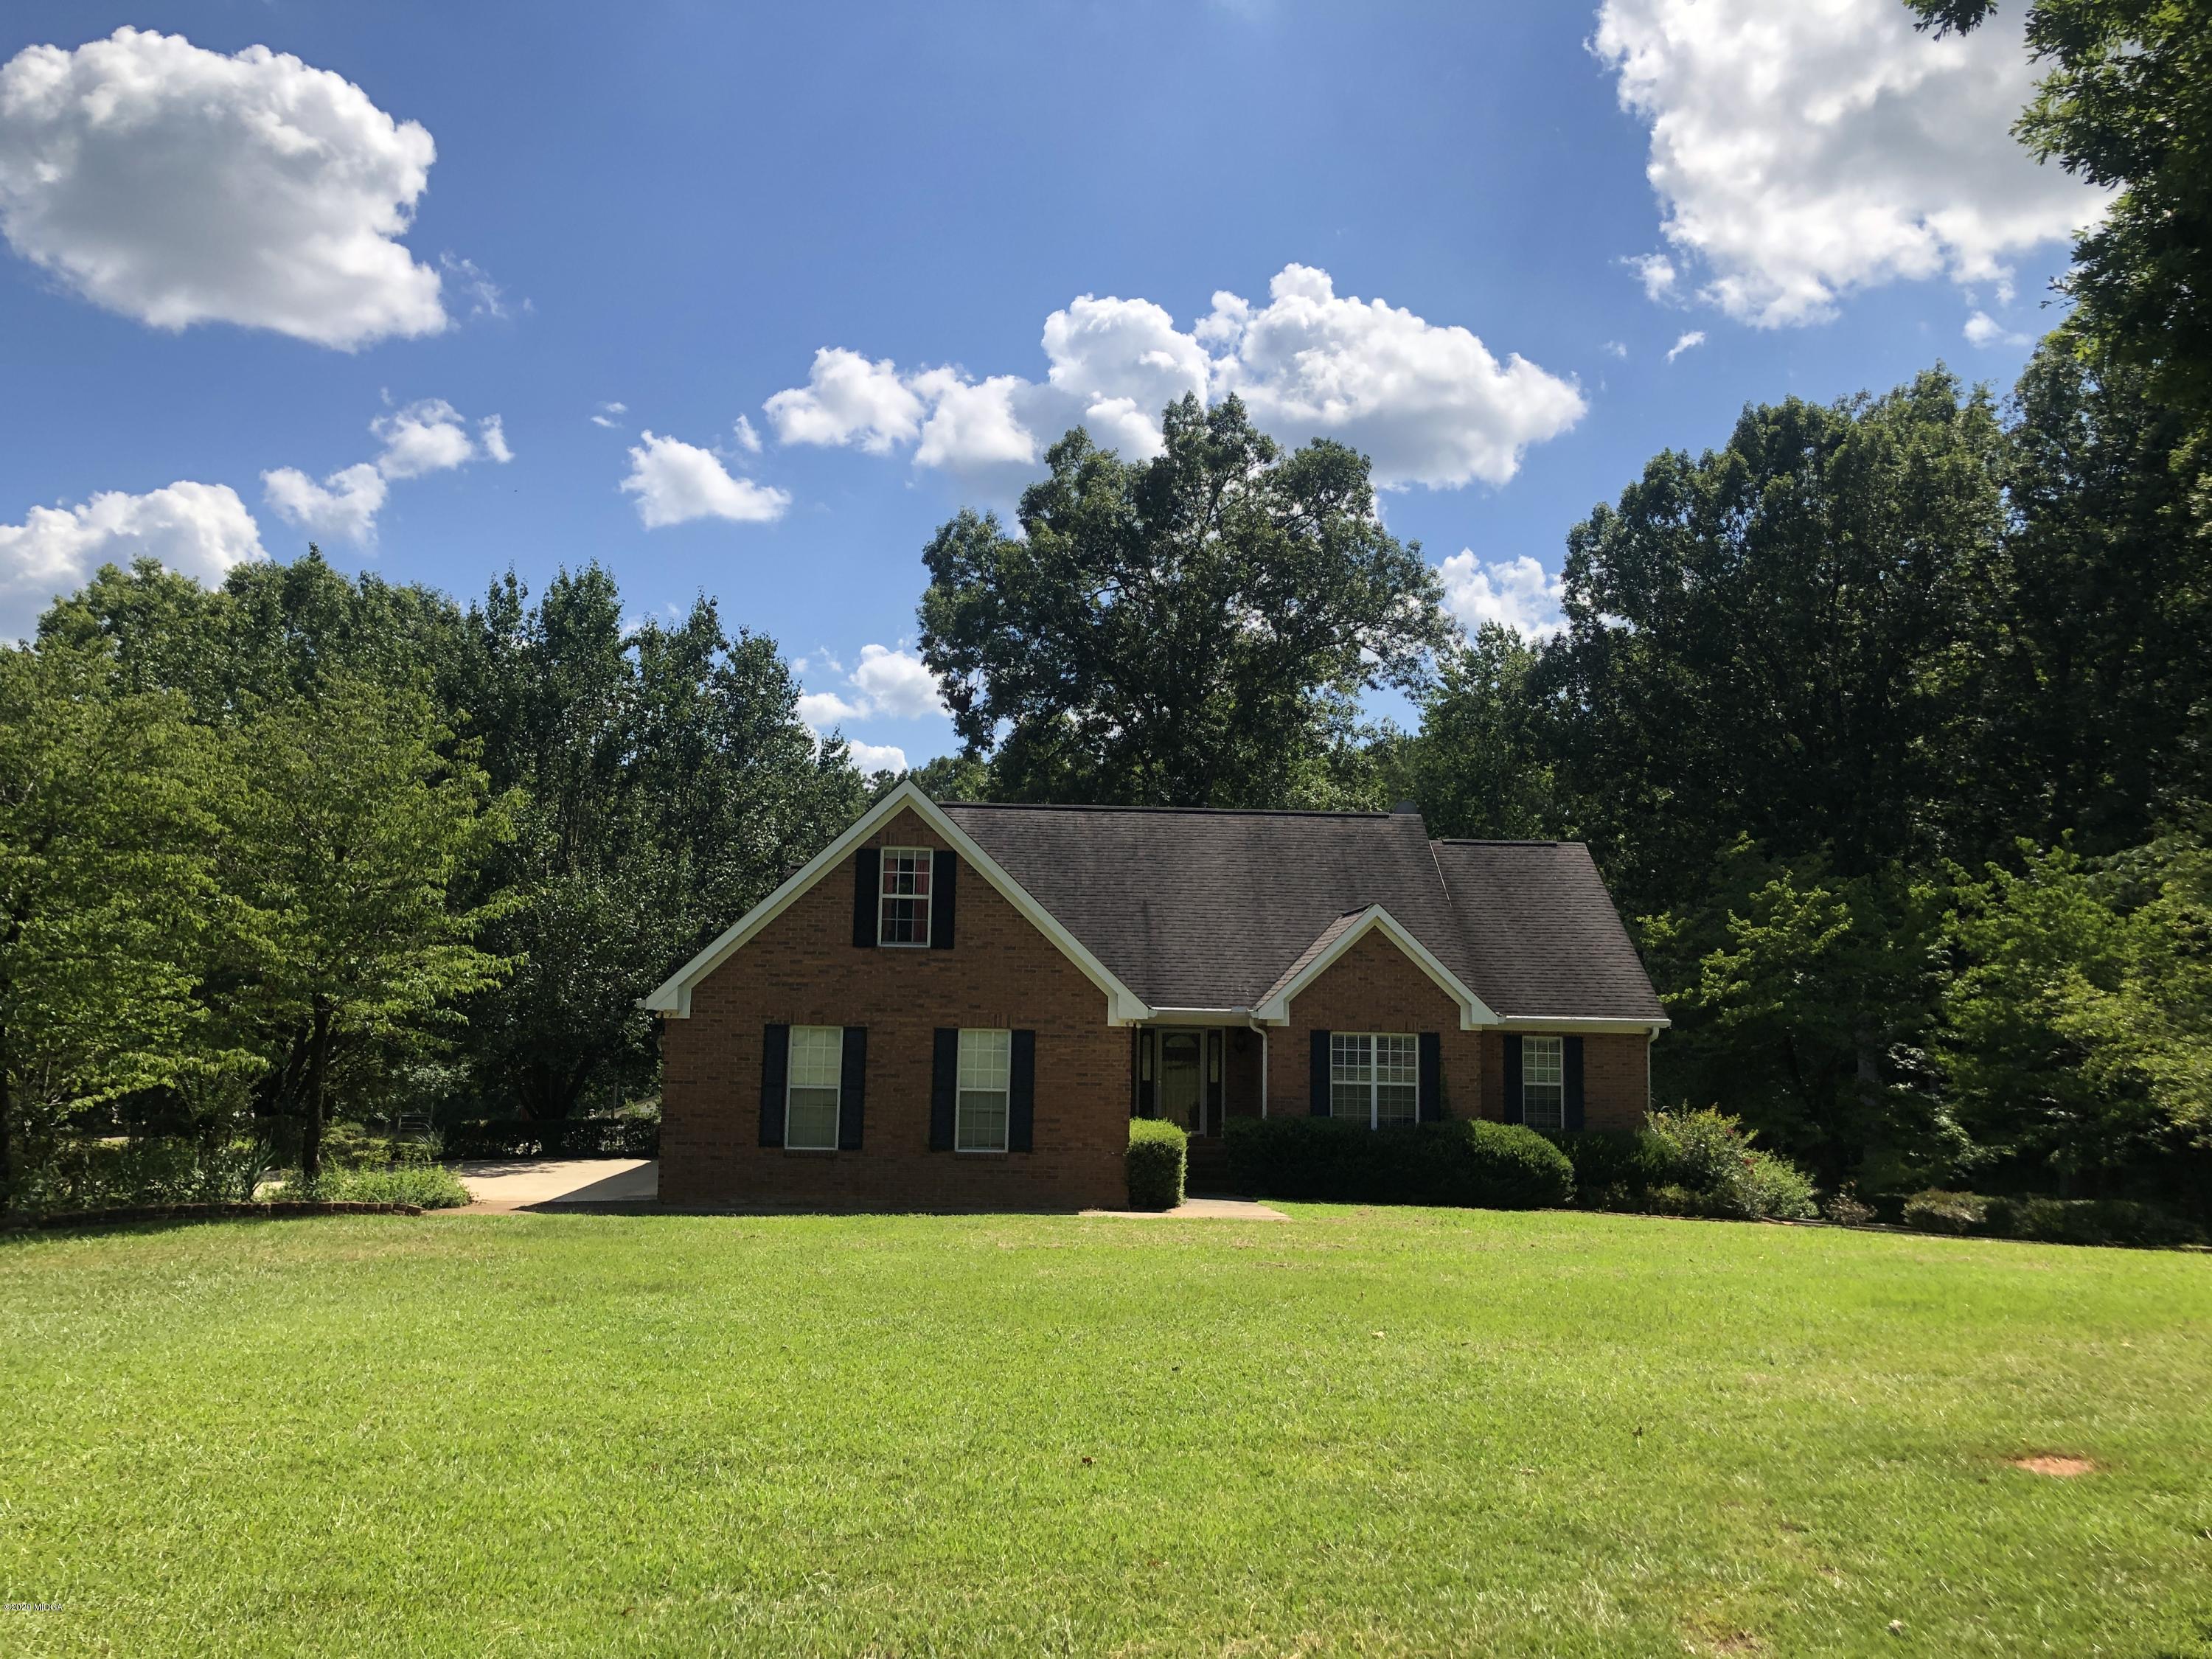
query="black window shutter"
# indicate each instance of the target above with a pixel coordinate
(943, 889)
(944, 1087)
(852, 1088)
(1513, 1111)
(1213, 1070)
(1021, 1094)
(775, 1067)
(1143, 1052)
(1432, 1097)
(1318, 1078)
(1571, 1065)
(867, 878)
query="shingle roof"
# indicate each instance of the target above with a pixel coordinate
(1211, 910)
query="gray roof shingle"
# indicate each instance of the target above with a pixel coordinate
(1211, 909)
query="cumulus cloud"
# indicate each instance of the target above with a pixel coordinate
(1802, 151)
(1429, 403)
(427, 437)
(177, 185)
(343, 507)
(197, 530)
(1689, 342)
(872, 757)
(846, 399)
(676, 483)
(1514, 592)
(1657, 274)
(1984, 330)
(895, 682)
(748, 439)
(821, 710)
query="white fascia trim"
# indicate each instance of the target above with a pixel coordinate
(1569, 1022)
(1200, 1016)
(1473, 1014)
(673, 997)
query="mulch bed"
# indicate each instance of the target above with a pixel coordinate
(218, 1213)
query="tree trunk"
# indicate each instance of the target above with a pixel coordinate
(318, 1055)
(7, 1131)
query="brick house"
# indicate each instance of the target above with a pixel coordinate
(961, 1006)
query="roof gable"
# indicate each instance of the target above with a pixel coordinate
(672, 996)
(1346, 931)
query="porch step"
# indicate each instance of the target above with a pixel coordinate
(1208, 1167)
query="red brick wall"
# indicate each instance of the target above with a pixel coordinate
(803, 970)
(1374, 986)
(1616, 1077)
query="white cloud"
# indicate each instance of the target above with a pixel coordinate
(896, 683)
(343, 507)
(607, 414)
(1657, 272)
(1689, 342)
(1984, 330)
(1429, 403)
(485, 297)
(821, 710)
(748, 439)
(427, 437)
(1615, 348)
(676, 482)
(873, 757)
(197, 530)
(1514, 591)
(846, 399)
(1802, 151)
(177, 185)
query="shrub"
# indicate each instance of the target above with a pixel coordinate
(1158, 1157)
(1938, 1212)
(432, 1186)
(126, 1173)
(1613, 1170)
(1465, 1162)
(2087, 1221)
(1846, 1209)
(577, 1137)
(1708, 1155)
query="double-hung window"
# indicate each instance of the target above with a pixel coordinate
(986, 1077)
(1543, 1083)
(1374, 1077)
(903, 904)
(817, 1070)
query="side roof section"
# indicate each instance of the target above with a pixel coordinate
(1542, 940)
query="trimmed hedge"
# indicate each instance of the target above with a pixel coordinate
(575, 1137)
(1465, 1162)
(1158, 1160)
(2050, 1220)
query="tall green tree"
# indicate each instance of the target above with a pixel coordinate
(1189, 630)
(2127, 102)
(1479, 766)
(1778, 639)
(352, 831)
(107, 896)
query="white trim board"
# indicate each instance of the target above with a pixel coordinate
(673, 998)
(1473, 1013)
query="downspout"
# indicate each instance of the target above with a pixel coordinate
(1263, 1069)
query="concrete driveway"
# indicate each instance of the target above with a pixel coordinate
(515, 1183)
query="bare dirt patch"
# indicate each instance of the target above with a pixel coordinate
(2064, 1468)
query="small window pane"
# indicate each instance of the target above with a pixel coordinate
(1351, 1076)
(903, 908)
(1543, 1083)
(817, 1060)
(986, 1067)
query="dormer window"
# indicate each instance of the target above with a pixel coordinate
(903, 908)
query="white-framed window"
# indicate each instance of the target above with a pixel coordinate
(903, 908)
(987, 1067)
(1373, 1077)
(1543, 1082)
(810, 1101)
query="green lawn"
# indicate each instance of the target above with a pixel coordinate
(1409, 1431)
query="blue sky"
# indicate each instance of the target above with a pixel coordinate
(673, 208)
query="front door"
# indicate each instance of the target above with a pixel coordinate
(1182, 1079)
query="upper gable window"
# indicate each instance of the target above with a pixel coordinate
(902, 908)
(1543, 1083)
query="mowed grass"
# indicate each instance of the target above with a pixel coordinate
(1374, 1432)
